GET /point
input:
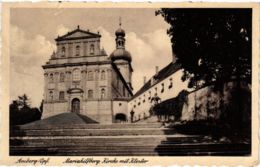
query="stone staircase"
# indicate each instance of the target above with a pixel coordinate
(142, 139)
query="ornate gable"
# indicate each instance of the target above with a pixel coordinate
(78, 34)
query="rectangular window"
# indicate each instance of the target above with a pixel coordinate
(90, 76)
(90, 94)
(70, 50)
(85, 49)
(62, 77)
(51, 79)
(62, 95)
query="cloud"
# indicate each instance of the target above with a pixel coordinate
(150, 50)
(28, 54)
(61, 30)
(160, 41)
(107, 41)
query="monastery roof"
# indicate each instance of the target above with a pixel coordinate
(78, 34)
(161, 75)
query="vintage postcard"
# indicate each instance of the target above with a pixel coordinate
(127, 84)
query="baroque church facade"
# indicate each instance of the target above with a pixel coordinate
(81, 78)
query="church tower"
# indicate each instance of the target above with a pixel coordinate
(121, 57)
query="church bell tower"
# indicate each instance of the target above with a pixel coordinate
(121, 57)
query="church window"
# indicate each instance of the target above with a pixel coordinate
(90, 76)
(85, 49)
(103, 93)
(77, 50)
(62, 95)
(90, 94)
(76, 75)
(70, 49)
(51, 78)
(51, 95)
(92, 49)
(62, 77)
(63, 51)
(96, 74)
(103, 75)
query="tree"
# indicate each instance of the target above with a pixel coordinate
(22, 113)
(24, 101)
(212, 45)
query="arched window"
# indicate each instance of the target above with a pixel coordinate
(62, 95)
(92, 49)
(63, 51)
(90, 94)
(77, 50)
(62, 77)
(103, 93)
(51, 78)
(76, 75)
(90, 76)
(103, 75)
(51, 95)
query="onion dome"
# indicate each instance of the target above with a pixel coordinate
(121, 54)
(120, 32)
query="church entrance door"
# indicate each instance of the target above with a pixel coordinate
(75, 105)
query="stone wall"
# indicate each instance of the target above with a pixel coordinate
(210, 103)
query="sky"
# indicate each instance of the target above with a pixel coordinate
(32, 34)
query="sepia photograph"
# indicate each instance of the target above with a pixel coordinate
(130, 81)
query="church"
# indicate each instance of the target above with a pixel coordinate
(81, 78)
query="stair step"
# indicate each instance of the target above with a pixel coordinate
(93, 132)
(148, 139)
(91, 126)
(138, 140)
(126, 150)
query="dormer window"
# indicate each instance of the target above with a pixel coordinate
(92, 49)
(77, 50)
